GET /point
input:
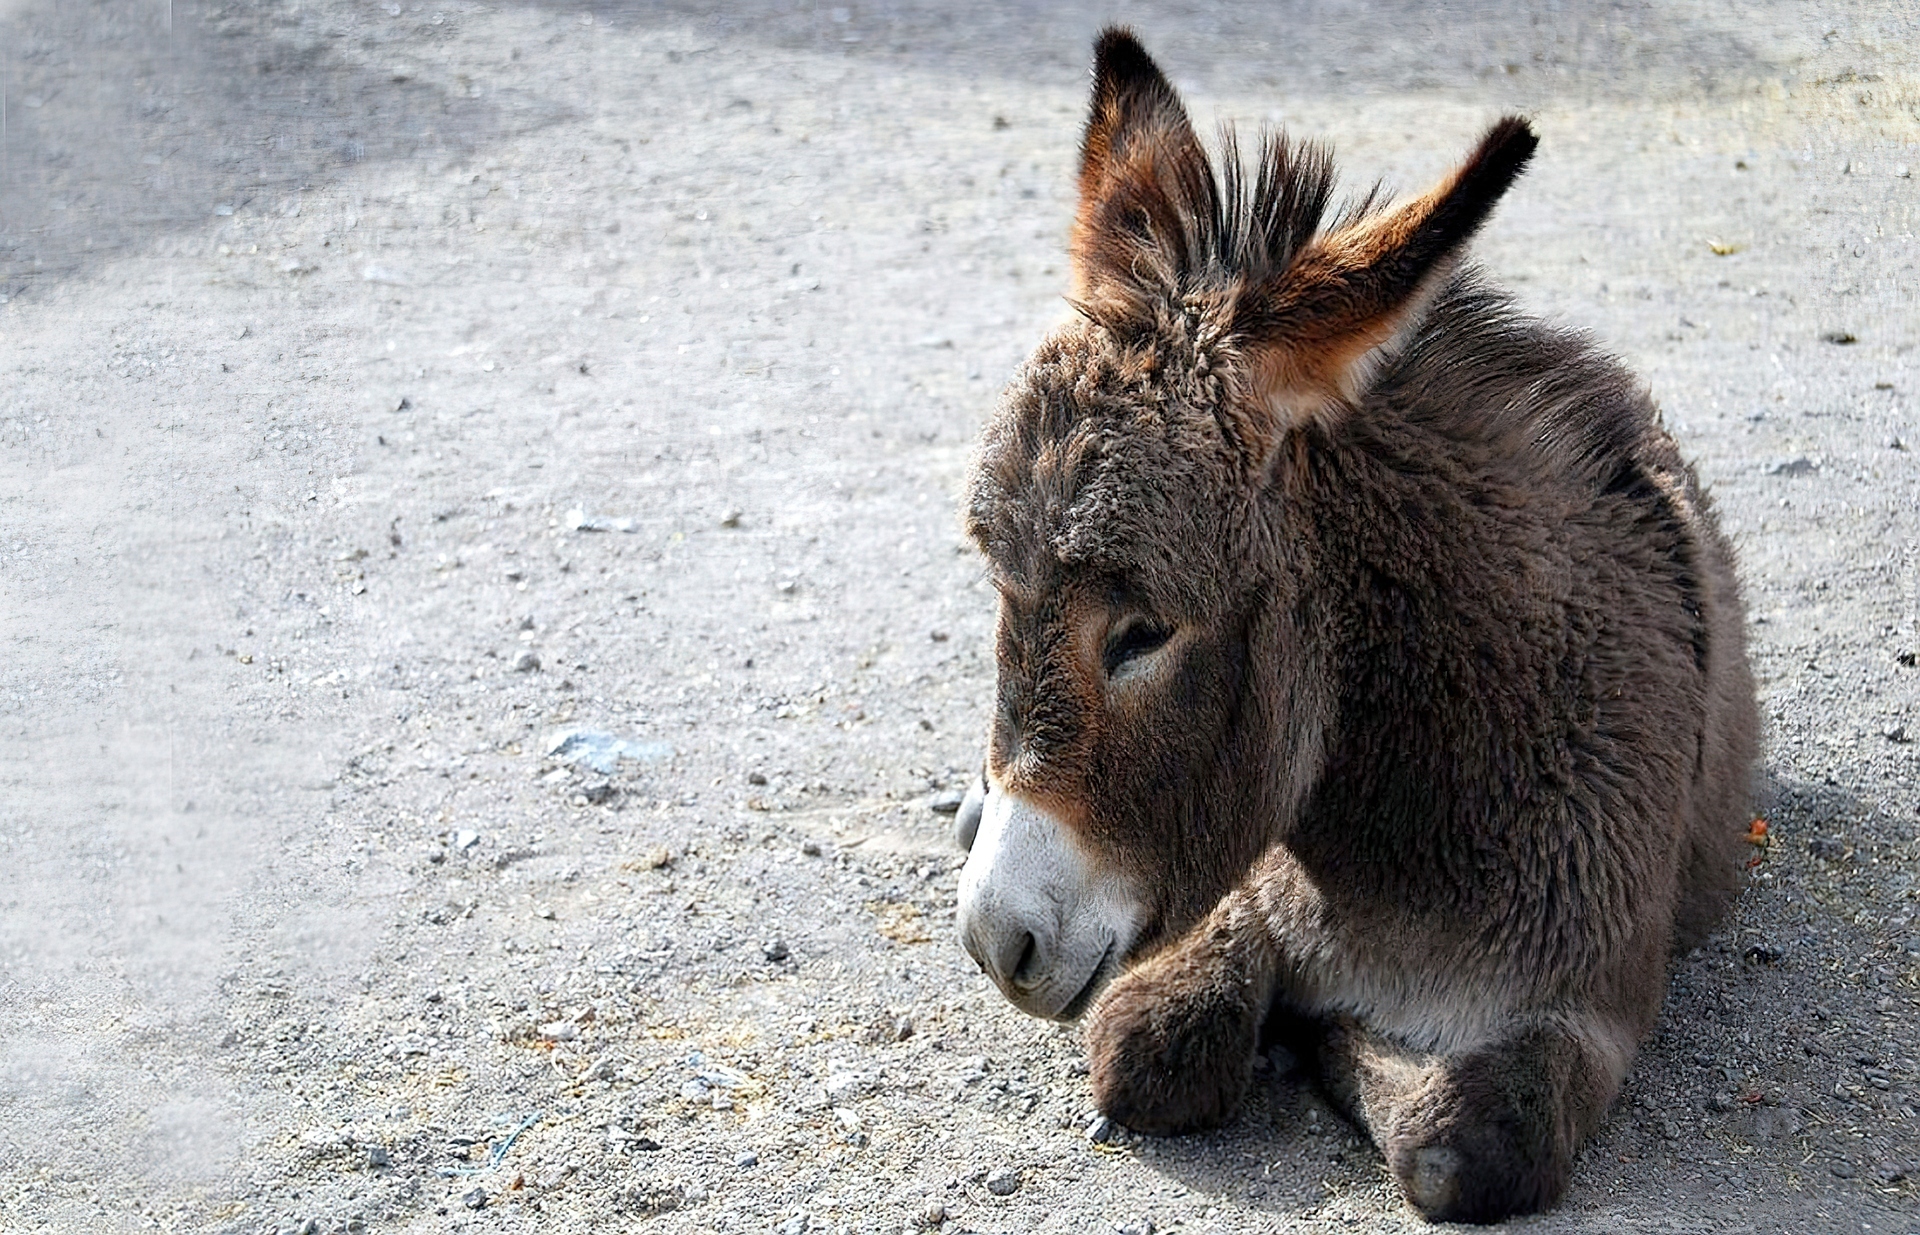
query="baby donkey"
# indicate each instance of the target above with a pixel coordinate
(1371, 669)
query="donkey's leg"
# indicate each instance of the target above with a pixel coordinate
(1170, 1045)
(1490, 1133)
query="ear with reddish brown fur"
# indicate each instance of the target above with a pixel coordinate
(1317, 331)
(1138, 145)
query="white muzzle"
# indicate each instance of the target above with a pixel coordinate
(1040, 920)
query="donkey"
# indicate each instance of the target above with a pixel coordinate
(1370, 666)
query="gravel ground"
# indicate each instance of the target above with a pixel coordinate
(486, 623)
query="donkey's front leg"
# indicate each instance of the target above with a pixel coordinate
(1489, 1133)
(1171, 1044)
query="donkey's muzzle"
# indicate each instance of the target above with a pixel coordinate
(1040, 918)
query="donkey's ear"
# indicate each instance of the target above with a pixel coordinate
(1137, 133)
(1318, 330)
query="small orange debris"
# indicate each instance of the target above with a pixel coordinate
(1757, 833)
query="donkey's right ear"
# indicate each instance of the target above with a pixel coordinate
(1137, 130)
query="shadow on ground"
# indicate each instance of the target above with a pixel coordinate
(127, 130)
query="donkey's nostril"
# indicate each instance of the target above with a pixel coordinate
(1022, 974)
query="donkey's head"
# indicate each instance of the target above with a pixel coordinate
(1159, 705)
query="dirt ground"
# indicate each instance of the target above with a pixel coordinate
(404, 409)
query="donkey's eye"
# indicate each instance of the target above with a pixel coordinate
(1137, 638)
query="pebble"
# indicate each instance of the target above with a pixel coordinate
(463, 840)
(559, 1031)
(843, 1087)
(932, 1214)
(526, 662)
(474, 1198)
(745, 1160)
(775, 950)
(1842, 1169)
(947, 801)
(1004, 1181)
(1101, 1130)
(1896, 733)
(1842, 337)
(811, 848)
(796, 1225)
(1139, 1226)
(1799, 465)
(378, 1157)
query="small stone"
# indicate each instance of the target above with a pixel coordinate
(843, 1087)
(775, 950)
(526, 662)
(1842, 1169)
(848, 1117)
(657, 858)
(1004, 1181)
(1101, 1130)
(1896, 733)
(559, 1031)
(1841, 337)
(811, 848)
(731, 517)
(310, 1227)
(930, 1215)
(1799, 465)
(1720, 1103)
(947, 801)
(463, 841)
(1889, 1173)
(378, 1157)
(1827, 848)
(474, 1198)
(696, 1090)
(756, 778)
(1762, 954)
(787, 587)
(745, 1160)
(796, 1225)
(1139, 1226)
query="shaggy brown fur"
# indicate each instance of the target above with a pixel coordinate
(1443, 739)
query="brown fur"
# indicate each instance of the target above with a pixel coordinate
(1450, 745)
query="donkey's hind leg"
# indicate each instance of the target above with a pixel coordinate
(1487, 1134)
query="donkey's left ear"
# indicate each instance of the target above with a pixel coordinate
(1137, 136)
(1318, 330)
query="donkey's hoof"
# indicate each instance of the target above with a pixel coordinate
(1165, 1065)
(1433, 1185)
(1484, 1178)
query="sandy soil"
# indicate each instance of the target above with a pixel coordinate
(390, 391)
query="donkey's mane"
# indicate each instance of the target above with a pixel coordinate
(1182, 230)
